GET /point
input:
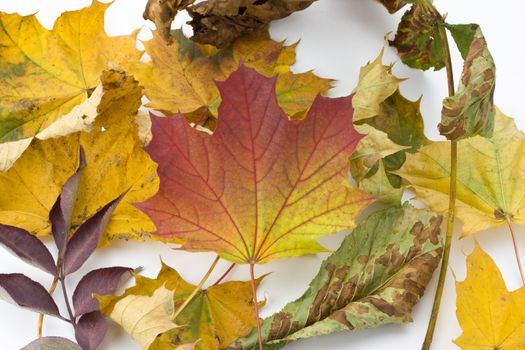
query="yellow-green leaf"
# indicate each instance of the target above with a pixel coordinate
(47, 73)
(490, 178)
(214, 318)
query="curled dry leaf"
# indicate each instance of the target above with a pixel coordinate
(418, 40)
(376, 277)
(490, 177)
(470, 111)
(225, 311)
(261, 187)
(218, 22)
(115, 163)
(56, 73)
(499, 316)
(181, 77)
(162, 13)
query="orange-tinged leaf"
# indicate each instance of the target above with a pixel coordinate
(261, 187)
(180, 77)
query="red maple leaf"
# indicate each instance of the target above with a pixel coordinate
(261, 187)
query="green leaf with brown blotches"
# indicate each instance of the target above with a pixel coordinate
(418, 41)
(376, 277)
(471, 110)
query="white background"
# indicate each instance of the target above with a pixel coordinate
(337, 38)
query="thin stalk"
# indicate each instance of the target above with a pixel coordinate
(256, 306)
(516, 250)
(197, 288)
(41, 316)
(451, 205)
(224, 275)
(66, 298)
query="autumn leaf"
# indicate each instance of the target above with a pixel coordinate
(162, 13)
(491, 317)
(393, 5)
(115, 163)
(376, 277)
(490, 177)
(470, 111)
(225, 311)
(392, 125)
(376, 84)
(52, 343)
(418, 40)
(220, 23)
(144, 317)
(46, 74)
(181, 77)
(261, 187)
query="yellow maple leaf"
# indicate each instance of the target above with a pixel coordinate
(180, 77)
(490, 178)
(491, 317)
(46, 73)
(115, 163)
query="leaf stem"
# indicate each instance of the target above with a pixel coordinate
(224, 275)
(66, 299)
(516, 250)
(41, 316)
(256, 305)
(197, 288)
(451, 204)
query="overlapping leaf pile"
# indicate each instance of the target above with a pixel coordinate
(250, 161)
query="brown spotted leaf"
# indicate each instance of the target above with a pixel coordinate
(418, 41)
(470, 111)
(375, 277)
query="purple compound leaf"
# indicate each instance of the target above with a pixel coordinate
(52, 343)
(27, 247)
(86, 238)
(90, 330)
(20, 290)
(60, 214)
(100, 282)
